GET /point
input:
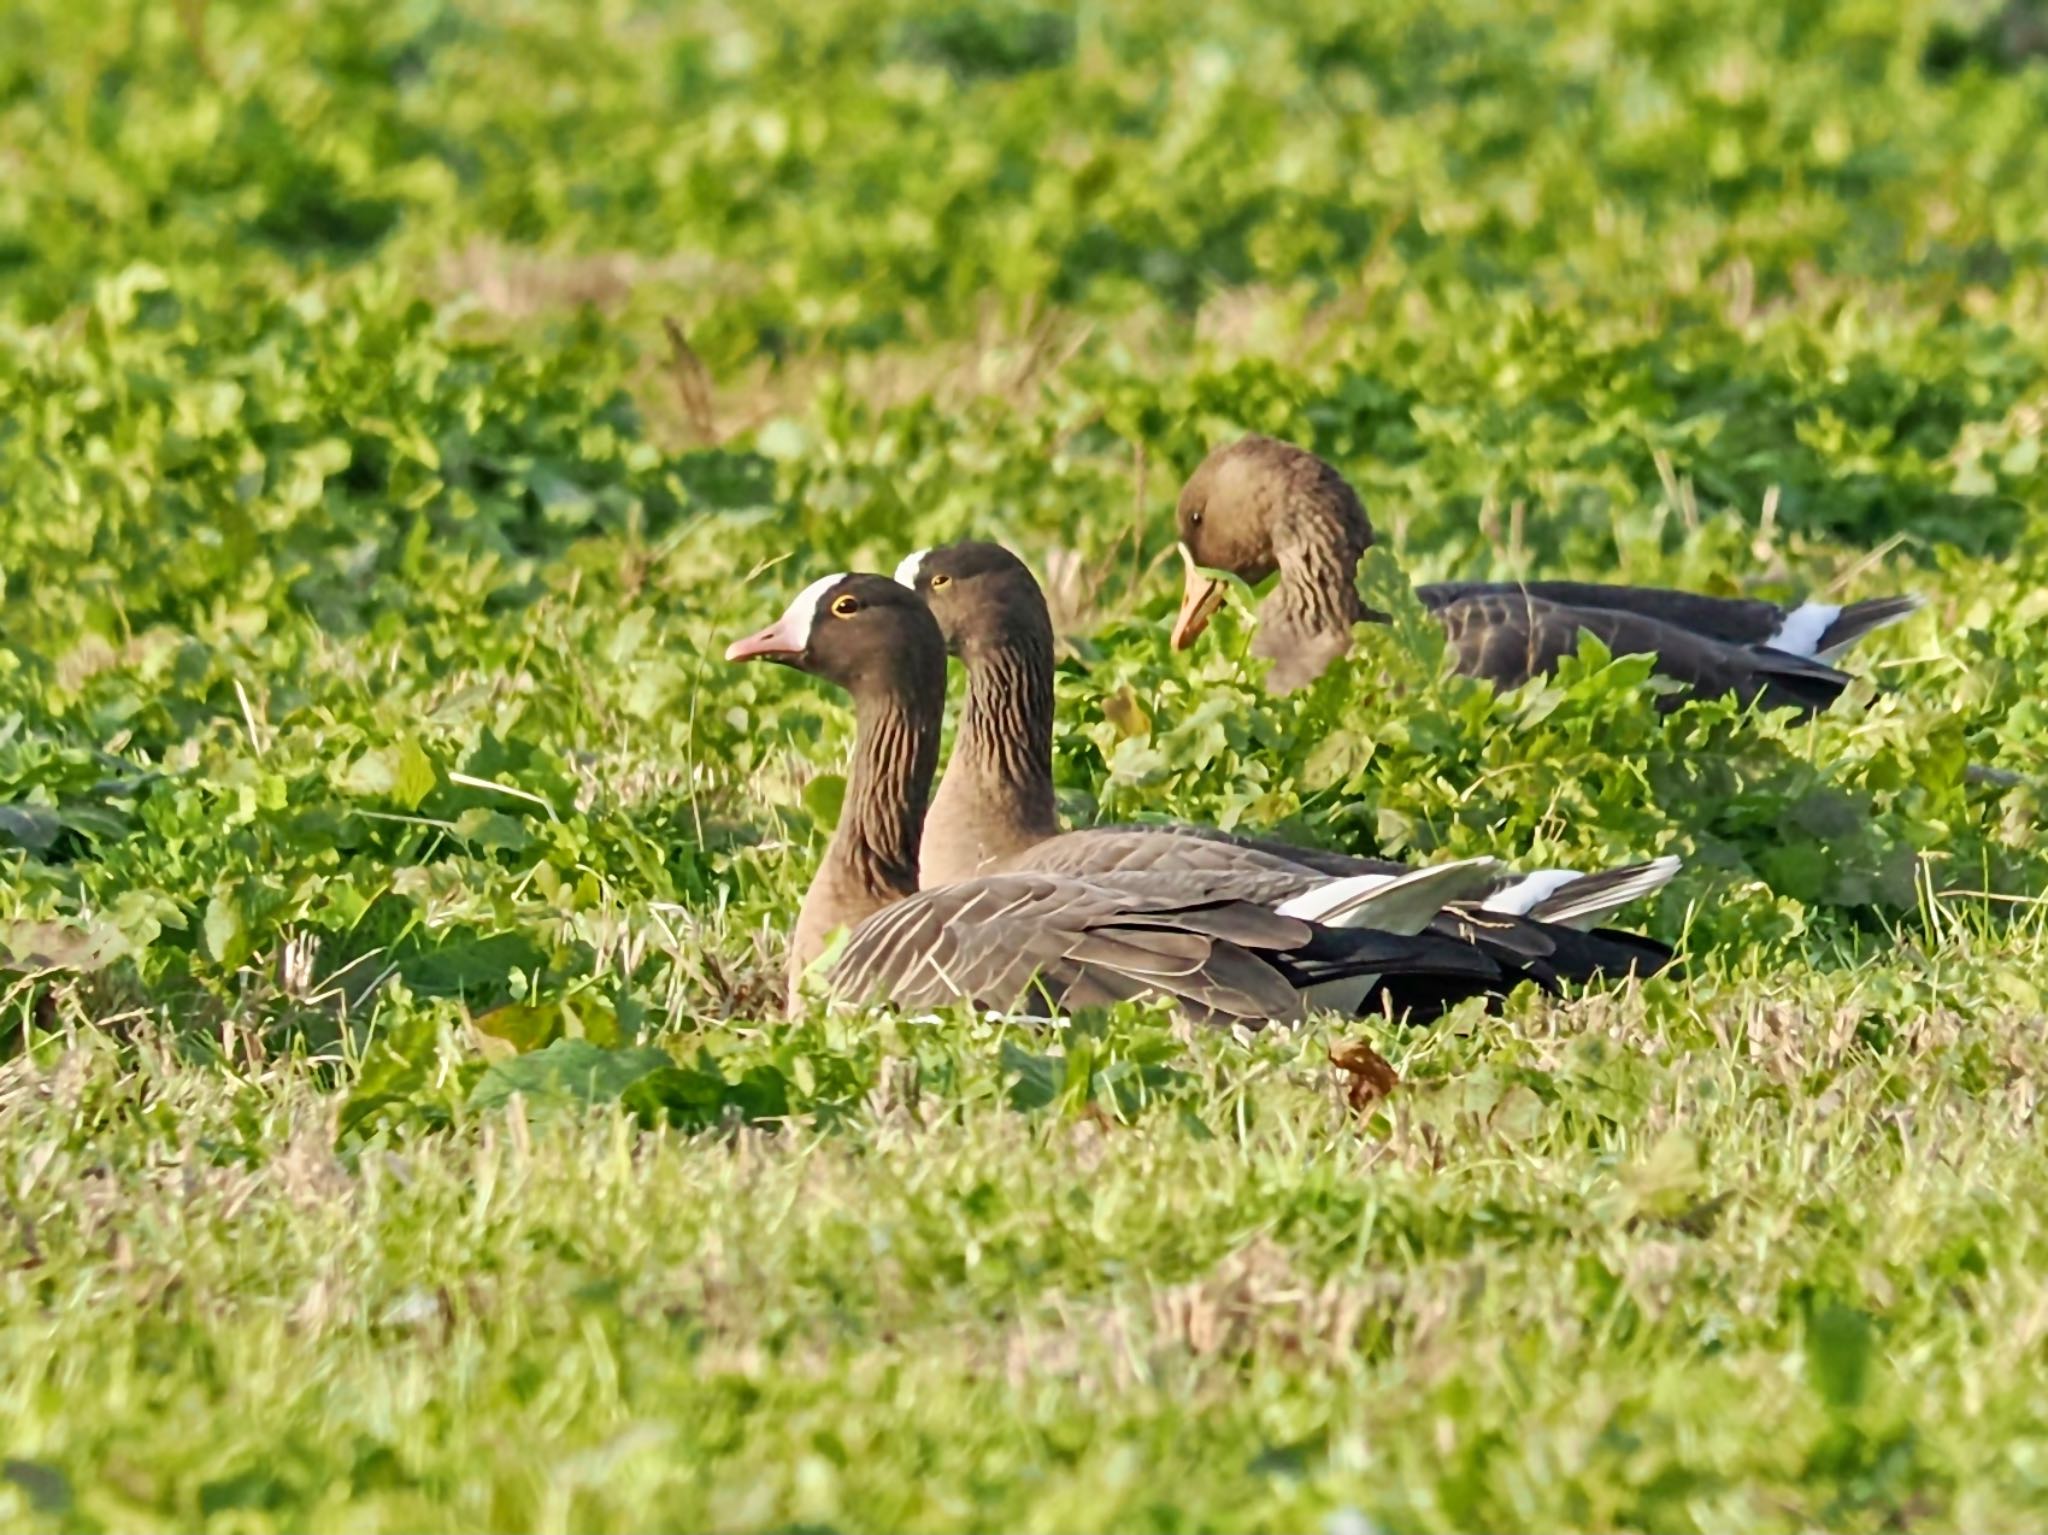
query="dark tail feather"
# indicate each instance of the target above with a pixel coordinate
(1602, 954)
(1334, 953)
(1792, 680)
(1422, 999)
(1860, 618)
(1606, 954)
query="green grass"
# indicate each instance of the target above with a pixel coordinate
(401, 405)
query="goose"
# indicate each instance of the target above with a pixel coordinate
(994, 811)
(1034, 941)
(1259, 505)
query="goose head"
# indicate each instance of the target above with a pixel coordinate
(863, 633)
(983, 597)
(1259, 505)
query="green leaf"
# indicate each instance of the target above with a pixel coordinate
(1136, 763)
(1665, 1182)
(372, 775)
(34, 828)
(492, 831)
(568, 1072)
(46, 1487)
(46, 946)
(1339, 756)
(1126, 716)
(402, 773)
(523, 1025)
(699, 1097)
(824, 798)
(225, 930)
(1841, 1343)
(413, 778)
(404, 1073)
(1039, 1078)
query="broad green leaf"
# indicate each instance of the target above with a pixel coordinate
(568, 1072)
(824, 798)
(225, 929)
(1039, 1079)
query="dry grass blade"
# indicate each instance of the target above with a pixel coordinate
(692, 381)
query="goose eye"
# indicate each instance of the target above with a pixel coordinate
(845, 607)
(1194, 519)
(941, 580)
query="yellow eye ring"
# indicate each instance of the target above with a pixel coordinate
(845, 607)
(941, 580)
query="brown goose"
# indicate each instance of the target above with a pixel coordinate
(994, 812)
(1026, 941)
(1259, 505)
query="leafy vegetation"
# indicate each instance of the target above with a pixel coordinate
(401, 405)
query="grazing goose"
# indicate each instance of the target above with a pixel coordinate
(1033, 941)
(1259, 505)
(994, 812)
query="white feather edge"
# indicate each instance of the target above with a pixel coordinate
(1603, 899)
(1392, 903)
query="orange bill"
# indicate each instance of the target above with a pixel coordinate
(1200, 598)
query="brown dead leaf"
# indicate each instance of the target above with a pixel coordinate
(1372, 1075)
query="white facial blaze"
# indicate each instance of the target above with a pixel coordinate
(798, 617)
(906, 573)
(1801, 632)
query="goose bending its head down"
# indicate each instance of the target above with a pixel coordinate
(1259, 506)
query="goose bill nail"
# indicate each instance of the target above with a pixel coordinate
(774, 643)
(1202, 598)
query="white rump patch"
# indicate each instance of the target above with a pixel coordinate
(798, 617)
(1801, 632)
(906, 573)
(1517, 899)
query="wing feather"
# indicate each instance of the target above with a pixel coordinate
(1508, 637)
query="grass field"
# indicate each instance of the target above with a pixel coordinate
(401, 405)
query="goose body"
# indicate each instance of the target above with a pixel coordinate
(1814, 631)
(1026, 940)
(994, 813)
(1034, 941)
(1260, 505)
